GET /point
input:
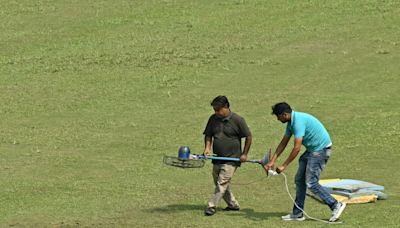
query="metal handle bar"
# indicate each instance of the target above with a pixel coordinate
(226, 159)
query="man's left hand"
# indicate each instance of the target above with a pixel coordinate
(243, 158)
(280, 169)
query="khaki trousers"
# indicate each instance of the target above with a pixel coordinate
(222, 175)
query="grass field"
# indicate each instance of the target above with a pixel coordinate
(94, 93)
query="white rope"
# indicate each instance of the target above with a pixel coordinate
(288, 192)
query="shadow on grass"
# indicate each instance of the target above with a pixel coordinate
(254, 215)
(245, 212)
(172, 208)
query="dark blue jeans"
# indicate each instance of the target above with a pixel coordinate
(311, 165)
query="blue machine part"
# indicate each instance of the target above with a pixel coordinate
(184, 153)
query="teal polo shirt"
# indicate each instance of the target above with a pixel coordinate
(303, 125)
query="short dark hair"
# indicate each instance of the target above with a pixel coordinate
(280, 108)
(220, 102)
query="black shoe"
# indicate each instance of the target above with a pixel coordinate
(232, 209)
(210, 211)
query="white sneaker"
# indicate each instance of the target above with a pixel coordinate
(292, 217)
(337, 211)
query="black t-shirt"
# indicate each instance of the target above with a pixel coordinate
(227, 134)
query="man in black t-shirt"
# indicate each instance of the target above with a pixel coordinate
(224, 131)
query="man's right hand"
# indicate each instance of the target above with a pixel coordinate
(269, 165)
(207, 152)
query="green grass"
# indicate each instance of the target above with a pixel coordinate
(94, 93)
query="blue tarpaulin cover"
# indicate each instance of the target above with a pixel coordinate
(350, 185)
(353, 191)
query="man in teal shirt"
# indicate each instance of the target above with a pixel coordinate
(310, 132)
